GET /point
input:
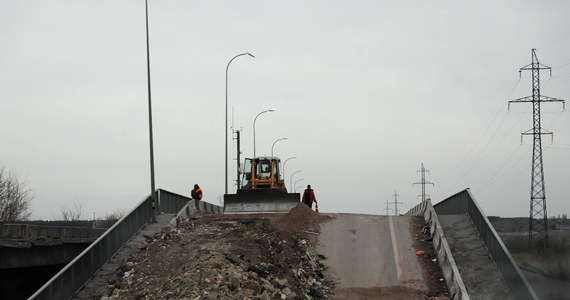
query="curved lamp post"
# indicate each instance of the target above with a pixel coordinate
(226, 128)
(255, 119)
(291, 179)
(298, 188)
(283, 169)
(296, 183)
(281, 139)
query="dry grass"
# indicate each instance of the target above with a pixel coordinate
(553, 261)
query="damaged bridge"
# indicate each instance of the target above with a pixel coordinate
(366, 255)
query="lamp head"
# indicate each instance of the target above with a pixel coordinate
(250, 54)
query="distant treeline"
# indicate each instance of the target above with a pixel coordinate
(520, 224)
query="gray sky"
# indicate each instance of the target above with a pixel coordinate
(365, 91)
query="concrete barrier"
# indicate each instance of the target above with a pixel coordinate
(449, 269)
(464, 203)
(192, 208)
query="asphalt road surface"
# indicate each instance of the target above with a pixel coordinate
(372, 256)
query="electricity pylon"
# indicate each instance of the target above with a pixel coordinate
(423, 182)
(538, 221)
(396, 203)
(387, 209)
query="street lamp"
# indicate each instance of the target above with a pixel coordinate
(281, 139)
(226, 128)
(296, 183)
(285, 163)
(255, 119)
(298, 188)
(291, 179)
(152, 195)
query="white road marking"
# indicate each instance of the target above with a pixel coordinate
(395, 249)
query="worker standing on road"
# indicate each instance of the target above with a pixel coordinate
(309, 196)
(197, 193)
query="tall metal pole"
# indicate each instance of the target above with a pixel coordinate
(226, 126)
(281, 139)
(538, 221)
(238, 159)
(152, 188)
(255, 119)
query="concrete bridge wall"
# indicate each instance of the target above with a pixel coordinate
(23, 245)
(74, 275)
(464, 203)
(26, 231)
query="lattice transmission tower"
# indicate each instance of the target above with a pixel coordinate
(423, 183)
(387, 209)
(396, 212)
(538, 221)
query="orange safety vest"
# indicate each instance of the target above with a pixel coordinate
(309, 196)
(199, 190)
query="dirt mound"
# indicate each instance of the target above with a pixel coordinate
(301, 222)
(226, 257)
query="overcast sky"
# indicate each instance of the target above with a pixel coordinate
(365, 92)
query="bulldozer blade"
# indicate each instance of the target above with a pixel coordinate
(260, 202)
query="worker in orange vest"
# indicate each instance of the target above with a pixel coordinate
(197, 193)
(309, 196)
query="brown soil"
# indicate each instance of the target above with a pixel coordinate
(431, 271)
(265, 256)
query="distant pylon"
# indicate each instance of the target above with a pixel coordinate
(538, 221)
(396, 203)
(387, 209)
(423, 183)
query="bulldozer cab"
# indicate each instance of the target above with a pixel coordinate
(262, 189)
(262, 173)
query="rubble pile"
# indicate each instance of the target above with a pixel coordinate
(227, 257)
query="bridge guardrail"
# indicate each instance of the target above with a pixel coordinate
(74, 275)
(446, 261)
(464, 203)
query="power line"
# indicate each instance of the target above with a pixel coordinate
(488, 126)
(561, 66)
(505, 162)
(481, 152)
(492, 181)
(556, 40)
(558, 76)
(503, 187)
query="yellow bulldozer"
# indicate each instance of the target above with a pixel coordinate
(262, 189)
